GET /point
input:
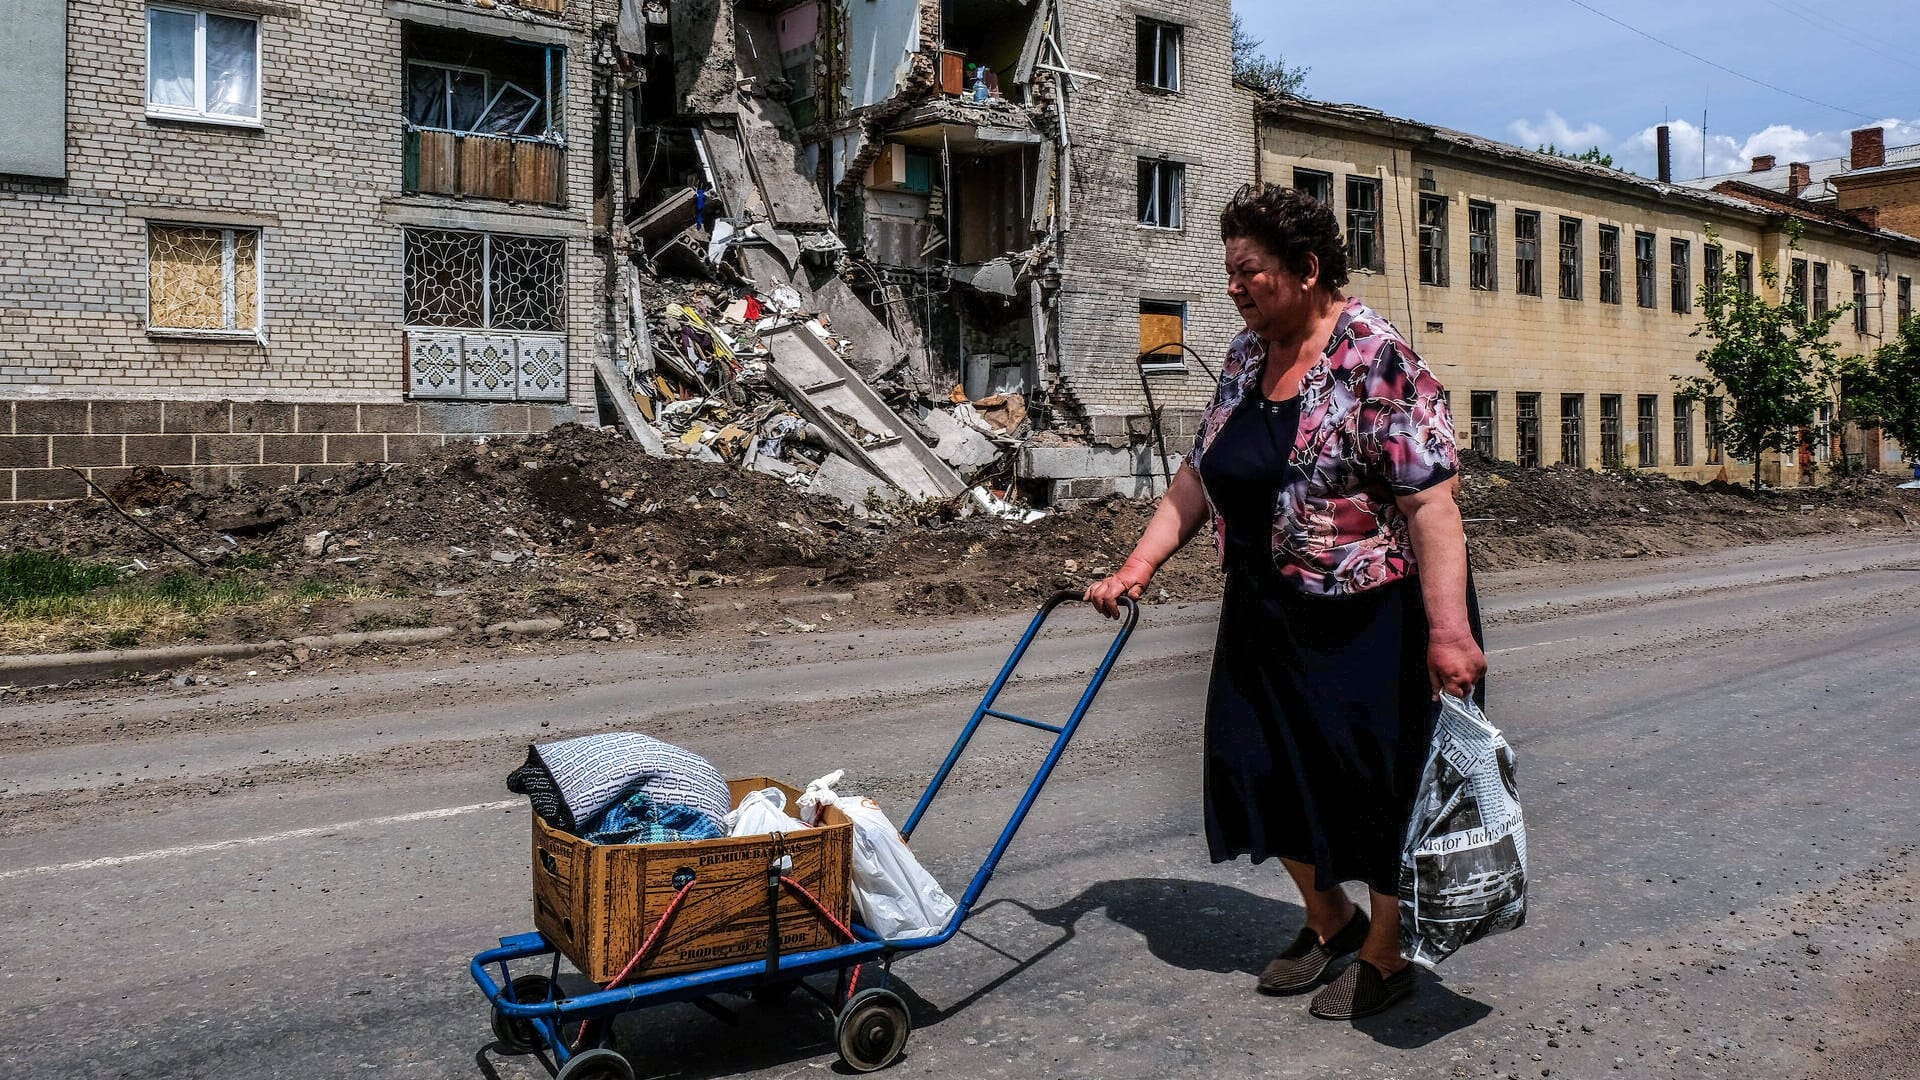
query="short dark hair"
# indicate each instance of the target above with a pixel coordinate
(1289, 224)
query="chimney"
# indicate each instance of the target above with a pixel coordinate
(1663, 143)
(1869, 148)
(1798, 178)
(1868, 216)
(1762, 163)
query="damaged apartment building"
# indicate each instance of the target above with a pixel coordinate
(261, 240)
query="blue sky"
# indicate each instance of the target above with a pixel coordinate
(1538, 71)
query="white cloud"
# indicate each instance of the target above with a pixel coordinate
(1556, 132)
(1639, 152)
(1725, 153)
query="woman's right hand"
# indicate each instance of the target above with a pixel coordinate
(1131, 581)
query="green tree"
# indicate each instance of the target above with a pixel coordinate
(1269, 75)
(1771, 361)
(1883, 391)
(1591, 155)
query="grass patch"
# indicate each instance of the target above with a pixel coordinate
(33, 576)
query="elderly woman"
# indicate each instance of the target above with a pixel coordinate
(1326, 464)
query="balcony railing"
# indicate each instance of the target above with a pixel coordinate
(485, 167)
(486, 365)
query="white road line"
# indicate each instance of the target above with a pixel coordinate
(1517, 648)
(256, 841)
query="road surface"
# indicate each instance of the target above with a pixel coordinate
(1719, 760)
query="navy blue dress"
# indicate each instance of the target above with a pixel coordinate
(1319, 708)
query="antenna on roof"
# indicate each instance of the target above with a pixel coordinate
(1705, 97)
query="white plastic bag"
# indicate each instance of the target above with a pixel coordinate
(1463, 867)
(896, 896)
(762, 812)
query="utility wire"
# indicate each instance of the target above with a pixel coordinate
(1844, 34)
(1717, 66)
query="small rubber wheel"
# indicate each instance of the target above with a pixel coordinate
(871, 1031)
(596, 1065)
(516, 1033)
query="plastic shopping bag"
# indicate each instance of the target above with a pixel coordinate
(896, 896)
(1463, 868)
(762, 812)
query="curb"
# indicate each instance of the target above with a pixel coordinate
(55, 668)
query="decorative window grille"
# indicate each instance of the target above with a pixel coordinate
(203, 279)
(486, 315)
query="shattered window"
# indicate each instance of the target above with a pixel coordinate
(473, 84)
(202, 65)
(1573, 429)
(1157, 54)
(1680, 265)
(1433, 239)
(1648, 435)
(1903, 301)
(1859, 301)
(1743, 271)
(1821, 301)
(1716, 433)
(1315, 185)
(1480, 422)
(1526, 430)
(1797, 290)
(1363, 222)
(1480, 246)
(1526, 252)
(1682, 430)
(1570, 229)
(1643, 269)
(1162, 190)
(485, 281)
(202, 278)
(1713, 262)
(1609, 264)
(1610, 431)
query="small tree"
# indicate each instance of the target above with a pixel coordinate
(1269, 75)
(1883, 391)
(1771, 361)
(1592, 155)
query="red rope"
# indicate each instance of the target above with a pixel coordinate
(645, 952)
(819, 908)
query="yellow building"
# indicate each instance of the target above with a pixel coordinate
(1557, 299)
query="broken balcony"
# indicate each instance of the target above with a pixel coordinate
(484, 118)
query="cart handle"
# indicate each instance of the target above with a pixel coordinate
(1063, 733)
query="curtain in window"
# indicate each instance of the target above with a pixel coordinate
(231, 66)
(170, 59)
(426, 96)
(469, 99)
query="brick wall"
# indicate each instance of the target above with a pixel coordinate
(1896, 195)
(1110, 261)
(321, 177)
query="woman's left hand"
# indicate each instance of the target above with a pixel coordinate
(1455, 665)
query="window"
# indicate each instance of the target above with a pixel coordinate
(1903, 301)
(1682, 430)
(1480, 247)
(1433, 239)
(1157, 54)
(1315, 185)
(1573, 429)
(1363, 223)
(443, 97)
(1797, 289)
(1714, 265)
(1480, 422)
(1526, 430)
(1609, 264)
(1821, 302)
(1859, 301)
(203, 66)
(1162, 190)
(203, 278)
(485, 281)
(1743, 271)
(1680, 270)
(1716, 433)
(1822, 434)
(1643, 269)
(1163, 324)
(1569, 258)
(1647, 434)
(1526, 252)
(1610, 431)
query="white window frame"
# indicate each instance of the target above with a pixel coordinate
(1159, 216)
(228, 285)
(201, 115)
(492, 90)
(1166, 53)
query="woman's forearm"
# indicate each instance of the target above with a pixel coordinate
(1182, 510)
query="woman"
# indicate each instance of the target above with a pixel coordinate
(1326, 464)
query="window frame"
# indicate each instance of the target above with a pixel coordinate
(228, 283)
(1859, 300)
(1316, 177)
(1573, 430)
(1433, 239)
(1682, 430)
(1646, 270)
(1159, 55)
(1155, 174)
(1903, 301)
(1526, 254)
(1822, 300)
(1680, 274)
(1483, 246)
(1713, 269)
(1484, 429)
(487, 315)
(1372, 259)
(1526, 429)
(1609, 264)
(200, 115)
(1570, 270)
(1173, 361)
(1612, 432)
(1800, 292)
(1743, 271)
(1646, 430)
(1716, 430)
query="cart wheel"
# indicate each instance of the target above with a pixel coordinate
(516, 1033)
(776, 994)
(596, 1065)
(872, 1030)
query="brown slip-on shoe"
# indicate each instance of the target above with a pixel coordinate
(1302, 963)
(1361, 991)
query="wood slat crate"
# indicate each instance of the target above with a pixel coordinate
(596, 902)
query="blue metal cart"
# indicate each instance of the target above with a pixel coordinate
(871, 1021)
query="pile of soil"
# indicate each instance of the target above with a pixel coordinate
(583, 526)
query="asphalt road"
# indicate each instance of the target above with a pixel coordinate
(1719, 761)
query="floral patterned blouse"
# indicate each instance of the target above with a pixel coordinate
(1373, 425)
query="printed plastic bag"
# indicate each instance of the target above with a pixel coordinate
(762, 812)
(1463, 868)
(896, 896)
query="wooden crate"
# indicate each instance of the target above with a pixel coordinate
(597, 902)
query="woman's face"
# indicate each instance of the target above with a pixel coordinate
(1275, 302)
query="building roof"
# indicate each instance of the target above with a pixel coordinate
(1818, 173)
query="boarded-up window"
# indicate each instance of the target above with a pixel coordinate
(203, 278)
(1163, 326)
